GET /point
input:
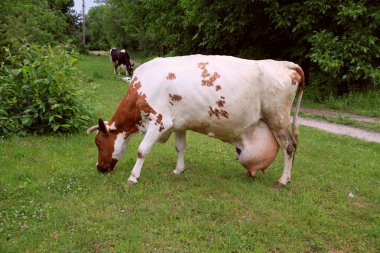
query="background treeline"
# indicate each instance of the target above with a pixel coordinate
(336, 42)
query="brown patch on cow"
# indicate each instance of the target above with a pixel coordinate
(128, 114)
(210, 82)
(220, 103)
(298, 77)
(139, 155)
(218, 88)
(202, 65)
(174, 98)
(219, 112)
(207, 78)
(171, 76)
(159, 122)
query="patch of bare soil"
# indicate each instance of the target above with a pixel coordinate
(98, 53)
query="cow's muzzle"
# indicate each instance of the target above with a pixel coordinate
(107, 169)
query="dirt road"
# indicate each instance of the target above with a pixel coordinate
(341, 129)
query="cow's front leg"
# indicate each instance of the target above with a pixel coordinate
(145, 146)
(289, 146)
(150, 138)
(180, 145)
(114, 67)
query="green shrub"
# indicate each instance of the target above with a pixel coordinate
(39, 91)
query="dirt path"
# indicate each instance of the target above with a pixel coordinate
(341, 129)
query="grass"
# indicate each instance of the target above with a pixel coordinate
(361, 103)
(52, 199)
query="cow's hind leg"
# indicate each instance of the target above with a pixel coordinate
(289, 146)
(180, 146)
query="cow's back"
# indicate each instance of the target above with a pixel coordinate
(220, 96)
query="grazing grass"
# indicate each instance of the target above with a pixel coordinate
(361, 103)
(54, 200)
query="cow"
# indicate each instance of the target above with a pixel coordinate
(245, 103)
(120, 57)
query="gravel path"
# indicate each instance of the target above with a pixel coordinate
(341, 129)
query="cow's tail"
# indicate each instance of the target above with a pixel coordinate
(301, 85)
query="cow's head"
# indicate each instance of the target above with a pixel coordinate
(129, 68)
(111, 145)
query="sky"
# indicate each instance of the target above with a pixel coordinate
(88, 5)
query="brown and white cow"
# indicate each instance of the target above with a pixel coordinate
(245, 103)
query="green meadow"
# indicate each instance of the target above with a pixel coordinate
(52, 199)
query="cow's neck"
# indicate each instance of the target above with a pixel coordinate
(127, 117)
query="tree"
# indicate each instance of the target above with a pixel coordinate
(335, 41)
(32, 21)
(339, 38)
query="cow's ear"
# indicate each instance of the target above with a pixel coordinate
(102, 126)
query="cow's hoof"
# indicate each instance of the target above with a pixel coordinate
(251, 173)
(177, 171)
(278, 185)
(132, 180)
(130, 183)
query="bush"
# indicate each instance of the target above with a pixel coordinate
(39, 91)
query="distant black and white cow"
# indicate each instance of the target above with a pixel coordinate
(120, 57)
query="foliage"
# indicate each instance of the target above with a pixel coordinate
(340, 38)
(336, 42)
(37, 22)
(34, 21)
(96, 36)
(38, 91)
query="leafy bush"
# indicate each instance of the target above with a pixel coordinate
(39, 91)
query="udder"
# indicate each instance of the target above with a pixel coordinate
(259, 149)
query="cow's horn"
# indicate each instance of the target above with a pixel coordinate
(92, 129)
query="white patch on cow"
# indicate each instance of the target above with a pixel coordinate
(113, 126)
(123, 50)
(119, 146)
